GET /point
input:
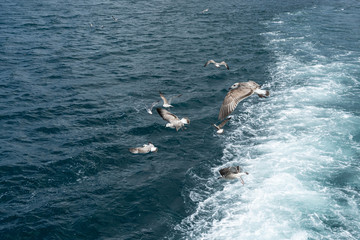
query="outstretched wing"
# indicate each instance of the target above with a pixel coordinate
(174, 97)
(224, 122)
(163, 98)
(225, 64)
(208, 62)
(232, 99)
(154, 104)
(224, 171)
(166, 115)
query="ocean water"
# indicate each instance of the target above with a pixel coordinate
(74, 84)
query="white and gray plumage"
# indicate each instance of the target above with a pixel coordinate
(219, 127)
(114, 18)
(232, 173)
(146, 148)
(173, 120)
(167, 103)
(149, 110)
(205, 10)
(217, 64)
(239, 91)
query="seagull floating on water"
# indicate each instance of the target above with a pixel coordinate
(167, 103)
(149, 110)
(115, 19)
(232, 173)
(239, 91)
(219, 128)
(173, 120)
(146, 148)
(217, 64)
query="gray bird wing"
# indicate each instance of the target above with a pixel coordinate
(221, 125)
(163, 98)
(174, 97)
(154, 104)
(166, 115)
(232, 99)
(224, 171)
(208, 62)
(225, 64)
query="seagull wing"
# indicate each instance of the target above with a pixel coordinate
(174, 97)
(217, 127)
(166, 115)
(224, 171)
(236, 169)
(154, 104)
(239, 169)
(163, 98)
(232, 99)
(208, 62)
(225, 64)
(224, 122)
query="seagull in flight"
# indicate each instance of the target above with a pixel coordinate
(204, 11)
(232, 173)
(167, 103)
(172, 119)
(238, 92)
(149, 110)
(219, 127)
(217, 64)
(146, 148)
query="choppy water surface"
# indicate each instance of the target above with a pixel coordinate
(74, 83)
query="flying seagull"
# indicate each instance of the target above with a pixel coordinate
(149, 110)
(219, 128)
(239, 91)
(232, 173)
(146, 148)
(217, 64)
(173, 120)
(167, 103)
(204, 11)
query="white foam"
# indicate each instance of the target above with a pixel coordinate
(295, 145)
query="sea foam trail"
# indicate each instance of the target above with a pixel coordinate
(301, 147)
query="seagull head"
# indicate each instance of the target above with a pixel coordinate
(185, 121)
(234, 86)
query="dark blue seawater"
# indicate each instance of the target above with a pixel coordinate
(74, 84)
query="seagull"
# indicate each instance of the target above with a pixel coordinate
(167, 103)
(149, 110)
(239, 91)
(146, 148)
(233, 173)
(115, 19)
(219, 128)
(217, 64)
(204, 11)
(173, 120)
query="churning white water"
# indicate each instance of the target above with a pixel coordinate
(300, 146)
